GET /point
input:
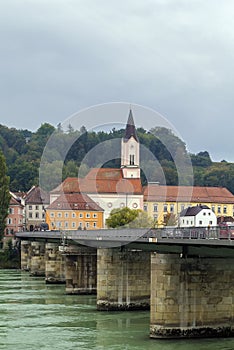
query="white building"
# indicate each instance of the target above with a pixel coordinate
(200, 215)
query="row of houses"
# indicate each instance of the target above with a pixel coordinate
(85, 203)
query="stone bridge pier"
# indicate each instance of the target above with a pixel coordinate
(81, 269)
(37, 266)
(191, 297)
(123, 279)
(25, 247)
(54, 264)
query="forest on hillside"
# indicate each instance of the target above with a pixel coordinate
(54, 154)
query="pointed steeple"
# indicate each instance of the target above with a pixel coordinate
(130, 129)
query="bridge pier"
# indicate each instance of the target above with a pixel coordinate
(54, 264)
(81, 270)
(25, 248)
(37, 267)
(191, 297)
(123, 279)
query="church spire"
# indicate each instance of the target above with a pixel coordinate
(130, 130)
(130, 150)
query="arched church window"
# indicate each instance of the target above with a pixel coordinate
(131, 159)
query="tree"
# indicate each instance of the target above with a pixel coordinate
(170, 219)
(127, 217)
(4, 194)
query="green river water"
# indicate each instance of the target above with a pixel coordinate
(34, 316)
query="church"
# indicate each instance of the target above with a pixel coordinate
(104, 189)
(108, 188)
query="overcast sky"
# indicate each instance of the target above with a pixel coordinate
(174, 56)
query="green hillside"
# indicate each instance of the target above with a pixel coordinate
(23, 150)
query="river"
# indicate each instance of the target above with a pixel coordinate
(35, 316)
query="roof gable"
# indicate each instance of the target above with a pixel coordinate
(193, 211)
(36, 196)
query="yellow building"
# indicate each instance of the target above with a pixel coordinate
(74, 211)
(160, 200)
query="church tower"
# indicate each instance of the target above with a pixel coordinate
(130, 151)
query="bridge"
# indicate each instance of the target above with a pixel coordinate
(185, 276)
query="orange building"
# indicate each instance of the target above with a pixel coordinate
(74, 211)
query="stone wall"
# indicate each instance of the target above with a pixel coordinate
(191, 297)
(123, 279)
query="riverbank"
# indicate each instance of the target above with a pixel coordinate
(9, 258)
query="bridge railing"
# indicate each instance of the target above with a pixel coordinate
(194, 233)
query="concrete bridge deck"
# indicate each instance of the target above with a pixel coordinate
(190, 242)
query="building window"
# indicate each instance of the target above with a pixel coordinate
(30, 207)
(94, 215)
(88, 215)
(145, 207)
(59, 215)
(122, 205)
(210, 222)
(219, 209)
(52, 215)
(171, 208)
(155, 207)
(87, 224)
(11, 210)
(37, 207)
(58, 224)
(66, 224)
(81, 215)
(225, 210)
(182, 206)
(213, 208)
(94, 224)
(165, 208)
(30, 215)
(204, 214)
(200, 222)
(73, 224)
(109, 205)
(135, 205)
(73, 215)
(66, 215)
(80, 225)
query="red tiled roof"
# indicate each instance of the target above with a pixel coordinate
(199, 194)
(103, 180)
(36, 196)
(74, 201)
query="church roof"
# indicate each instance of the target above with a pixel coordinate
(197, 194)
(130, 130)
(101, 180)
